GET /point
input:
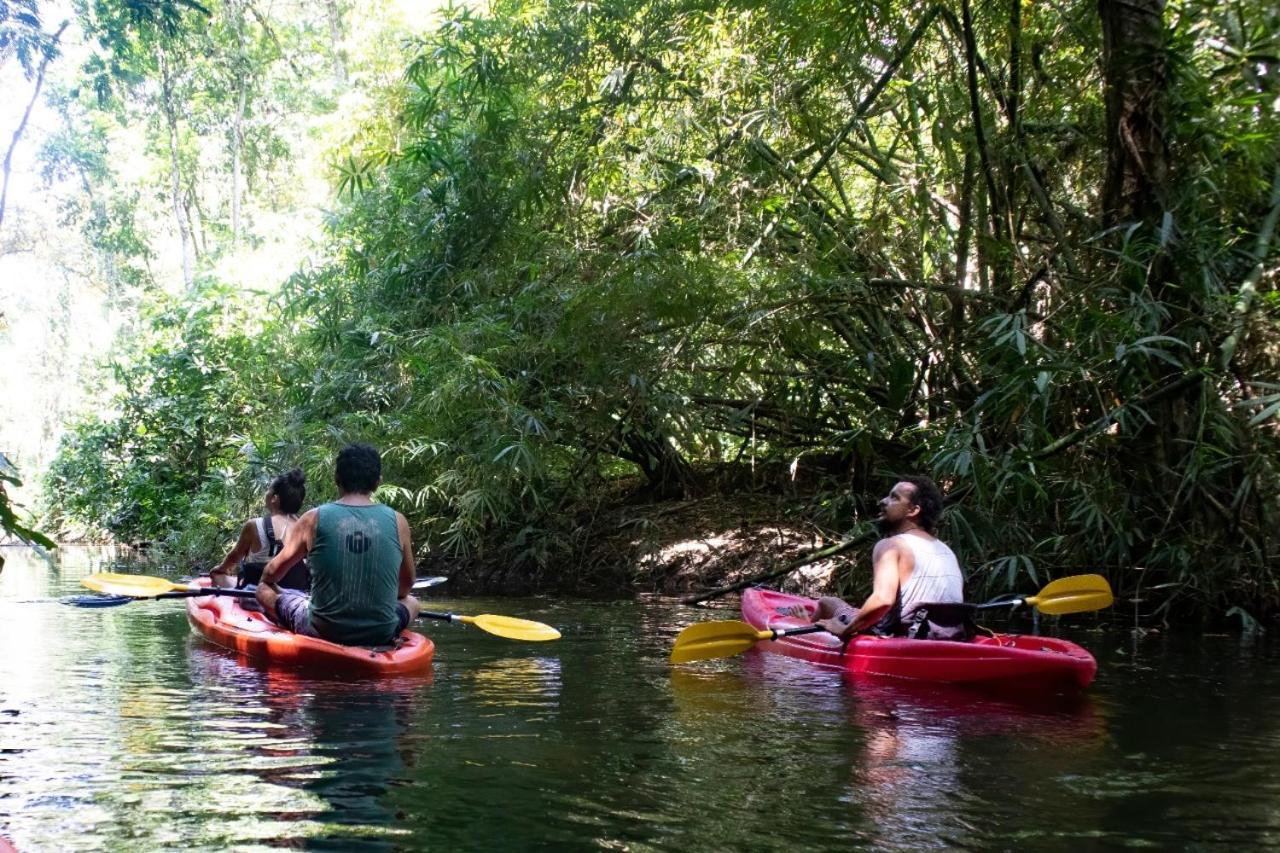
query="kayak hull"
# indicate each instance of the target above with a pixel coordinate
(1004, 661)
(223, 622)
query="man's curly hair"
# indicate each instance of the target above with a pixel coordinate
(928, 497)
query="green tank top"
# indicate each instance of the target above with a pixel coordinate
(355, 574)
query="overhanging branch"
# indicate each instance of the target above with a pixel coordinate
(1184, 382)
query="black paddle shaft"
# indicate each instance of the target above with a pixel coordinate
(792, 632)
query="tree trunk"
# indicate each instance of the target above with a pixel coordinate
(237, 146)
(175, 175)
(1135, 69)
(668, 474)
(1136, 190)
(26, 116)
(195, 224)
(1013, 100)
(333, 12)
(999, 257)
(237, 127)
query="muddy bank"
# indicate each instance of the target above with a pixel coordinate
(672, 548)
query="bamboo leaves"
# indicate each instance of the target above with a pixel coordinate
(581, 244)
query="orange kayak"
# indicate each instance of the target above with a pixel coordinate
(224, 622)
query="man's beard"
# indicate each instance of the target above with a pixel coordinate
(886, 527)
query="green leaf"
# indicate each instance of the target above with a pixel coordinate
(1266, 414)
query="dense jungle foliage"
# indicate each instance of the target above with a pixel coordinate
(1027, 248)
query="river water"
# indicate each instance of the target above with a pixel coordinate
(120, 730)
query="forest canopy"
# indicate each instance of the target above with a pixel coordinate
(1026, 248)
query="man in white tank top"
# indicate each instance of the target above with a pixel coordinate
(910, 564)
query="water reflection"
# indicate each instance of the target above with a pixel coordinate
(910, 762)
(920, 770)
(324, 754)
(532, 682)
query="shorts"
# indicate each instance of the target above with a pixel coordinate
(293, 610)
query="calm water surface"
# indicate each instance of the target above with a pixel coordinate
(119, 730)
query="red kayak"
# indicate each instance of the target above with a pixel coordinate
(1004, 661)
(224, 622)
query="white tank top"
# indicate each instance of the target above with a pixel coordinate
(263, 552)
(936, 578)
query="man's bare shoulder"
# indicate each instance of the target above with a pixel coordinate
(884, 546)
(403, 531)
(894, 551)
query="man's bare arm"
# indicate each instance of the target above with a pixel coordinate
(407, 570)
(886, 563)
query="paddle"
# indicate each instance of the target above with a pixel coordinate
(501, 626)
(708, 640)
(99, 600)
(1075, 594)
(122, 589)
(146, 586)
(134, 587)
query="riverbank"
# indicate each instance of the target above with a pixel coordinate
(621, 545)
(670, 548)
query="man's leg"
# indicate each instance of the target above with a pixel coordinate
(289, 609)
(269, 598)
(407, 610)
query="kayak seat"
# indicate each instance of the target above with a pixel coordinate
(953, 621)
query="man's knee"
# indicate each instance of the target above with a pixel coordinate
(836, 616)
(829, 606)
(269, 598)
(291, 609)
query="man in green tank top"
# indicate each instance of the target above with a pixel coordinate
(361, 562)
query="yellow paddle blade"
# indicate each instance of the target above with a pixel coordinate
(1075, 594)
(138, 586)
(707, 640)
(512, 628)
